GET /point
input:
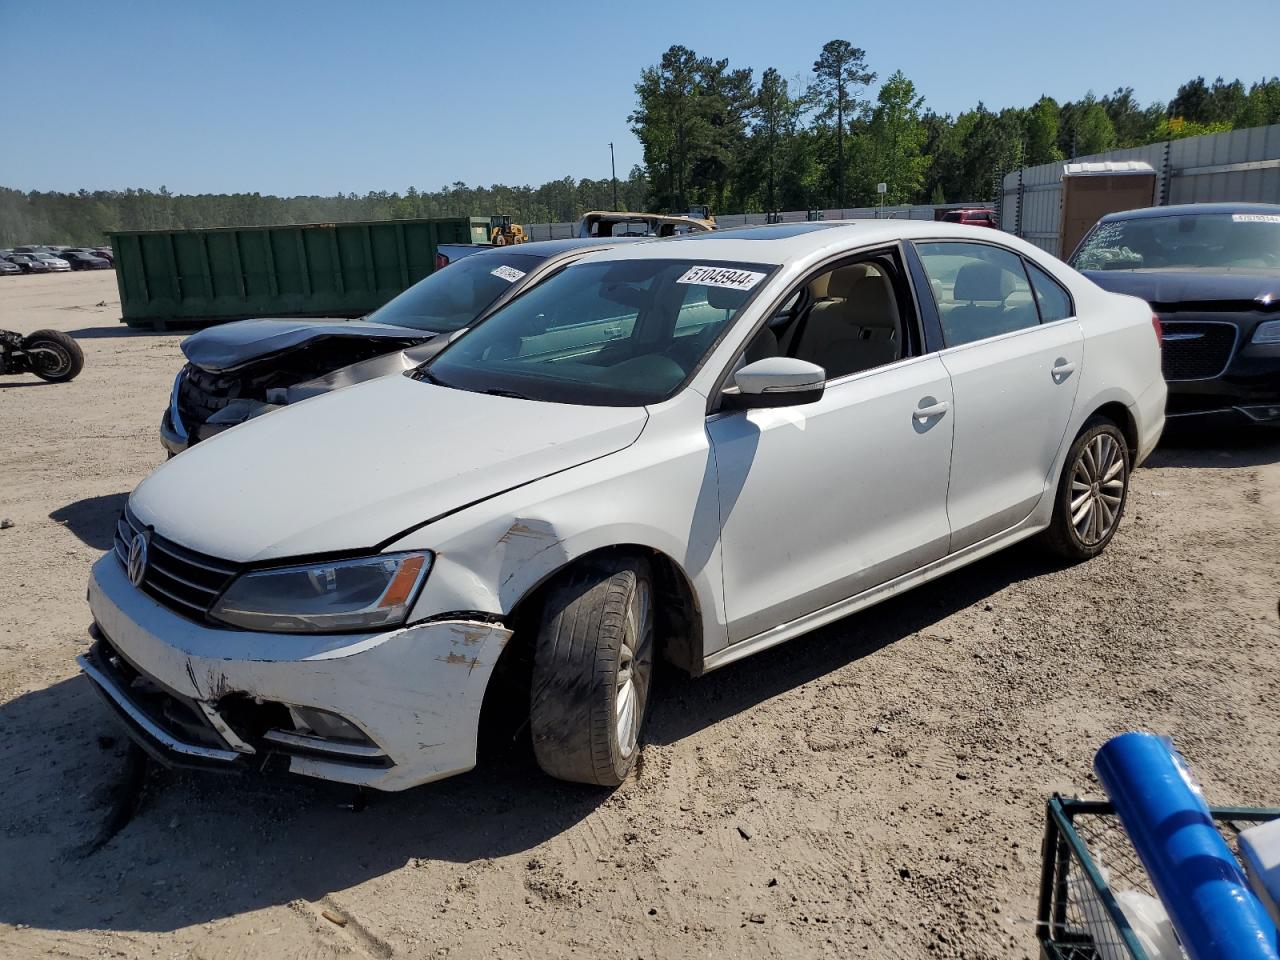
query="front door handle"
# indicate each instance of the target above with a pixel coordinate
(1062, 369)
(930, 408)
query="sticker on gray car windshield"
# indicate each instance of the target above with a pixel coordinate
(1255, 218)
(509, 274)
(726, 277)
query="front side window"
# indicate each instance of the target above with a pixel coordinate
(853, 322)
(613, 333)
(1199, 241)
(981, 290)
(455, 295)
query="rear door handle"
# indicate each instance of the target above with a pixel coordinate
(932, 410)
(1063, 369)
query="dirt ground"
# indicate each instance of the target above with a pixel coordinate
(874, 789)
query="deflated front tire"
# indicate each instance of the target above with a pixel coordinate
(593, 662)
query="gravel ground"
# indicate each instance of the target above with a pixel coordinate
(874, 789)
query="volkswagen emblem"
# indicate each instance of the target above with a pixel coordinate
(138, 559)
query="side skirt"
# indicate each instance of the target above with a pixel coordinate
(820, 618)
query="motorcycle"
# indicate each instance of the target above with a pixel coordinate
(50, 354)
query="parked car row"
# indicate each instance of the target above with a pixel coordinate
(551, 464)
(41, 259)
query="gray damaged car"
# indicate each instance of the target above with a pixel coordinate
(238, 371)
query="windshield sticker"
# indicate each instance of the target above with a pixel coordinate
(1255, 218)
(509, 274)
(725, 277)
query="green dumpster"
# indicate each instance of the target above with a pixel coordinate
(300, 270)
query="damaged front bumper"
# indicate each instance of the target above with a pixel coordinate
(384, 710)
(171, 438)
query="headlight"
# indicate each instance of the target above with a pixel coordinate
(365, 594)
(1268, 332)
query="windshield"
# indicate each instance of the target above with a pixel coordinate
(1183, 242)
(453, 296)
(612, 333)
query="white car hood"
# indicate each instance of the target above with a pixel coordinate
(352, 469)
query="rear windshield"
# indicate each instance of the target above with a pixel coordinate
(454, 296)
(1215, 241)
(611, 333)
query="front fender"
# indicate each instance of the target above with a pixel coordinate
(658, 494)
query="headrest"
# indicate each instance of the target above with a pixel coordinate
(838, 283)
(873, 302)
(982, 281)
(724, 298)
(844, 281)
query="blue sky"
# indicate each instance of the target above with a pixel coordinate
(291, 97)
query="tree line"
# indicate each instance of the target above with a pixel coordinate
(84, 218)
(713, 134)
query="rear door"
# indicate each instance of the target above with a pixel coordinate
(1014, 379)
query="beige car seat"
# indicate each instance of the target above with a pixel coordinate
(855, 326)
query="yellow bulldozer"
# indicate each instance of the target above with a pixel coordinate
(503, 232)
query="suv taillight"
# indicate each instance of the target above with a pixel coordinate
(1155, 324)
(441, 261)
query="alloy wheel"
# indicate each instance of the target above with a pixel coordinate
(635, 662)
(1097, 489)
(52, 360)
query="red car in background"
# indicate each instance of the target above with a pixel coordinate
(974, 217)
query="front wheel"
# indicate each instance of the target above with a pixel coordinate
(1092, 492)
(54, 356)
(593, 661)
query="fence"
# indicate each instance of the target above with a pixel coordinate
(925, 211)
(1242, 165)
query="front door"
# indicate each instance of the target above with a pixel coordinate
(822, 501)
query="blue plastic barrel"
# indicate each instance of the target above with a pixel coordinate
(1197, 878)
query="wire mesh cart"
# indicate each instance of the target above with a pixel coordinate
(1086, 860)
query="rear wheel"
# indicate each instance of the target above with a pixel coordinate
(593, 661)
(1092, 492)
(54, 356)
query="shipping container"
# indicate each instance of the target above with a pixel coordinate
(299, 270)
(1090, 191)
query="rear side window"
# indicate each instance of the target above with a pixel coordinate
(1053, 301)
(981, 290)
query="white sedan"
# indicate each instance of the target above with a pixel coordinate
(695, 448)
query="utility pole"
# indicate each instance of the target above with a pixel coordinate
(613, 170)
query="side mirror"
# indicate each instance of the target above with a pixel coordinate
(775, 382)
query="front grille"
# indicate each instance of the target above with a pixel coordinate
(1197, 350)
(183, 580)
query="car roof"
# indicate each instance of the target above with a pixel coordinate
(550, 248)
(778, 243)
(1191, 209)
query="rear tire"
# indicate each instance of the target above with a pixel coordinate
(56, 358)
(1092, 492)
(592, 665)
